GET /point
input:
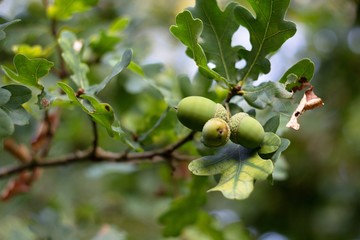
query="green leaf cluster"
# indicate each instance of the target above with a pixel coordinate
(207, 31)
(71, 52)
(65, 9)
(30, 71)
(238, 167)
(106, 40)
(268, 31)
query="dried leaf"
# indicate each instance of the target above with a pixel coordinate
(21, 184)
(20, 151)
(308, 102)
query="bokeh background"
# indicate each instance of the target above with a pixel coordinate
(318, 196)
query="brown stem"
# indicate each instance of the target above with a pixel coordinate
(164, 154)
(95, 142)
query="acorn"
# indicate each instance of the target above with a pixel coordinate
(215, 133)
(246, 130)
(194, 111)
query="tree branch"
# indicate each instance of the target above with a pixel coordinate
(162, 154)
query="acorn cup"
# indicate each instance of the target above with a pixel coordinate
(246, 130)
(215, 133)
(194, 111)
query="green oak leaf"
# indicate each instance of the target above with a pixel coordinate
(106, 40)
(272, 124)
(104, 43)
(119, 67)
(239, 168)
(268, 31)
(6, 124)
(185, 211)
(5, 25)
(72, 57)
(298, 73)
(269, 94)
(19, 116)
(65, 9)
(136, 68)
(29, 71)
(32, 51)
(270, 145)
(283, 146)
(218, 30)
(188, 30)
(119, 25)
(101, 113)
(4, 96)
(19, 95)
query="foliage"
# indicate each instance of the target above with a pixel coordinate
(80, 82)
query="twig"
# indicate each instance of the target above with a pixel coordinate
(96, 138)
(163, 154)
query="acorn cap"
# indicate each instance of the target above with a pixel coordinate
(246, 130)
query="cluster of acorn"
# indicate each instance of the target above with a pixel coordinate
(212, 119)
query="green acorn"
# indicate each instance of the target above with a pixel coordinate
(215, 133)
(193, 112)
(246, 130)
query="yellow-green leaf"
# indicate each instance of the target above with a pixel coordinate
(28, 71)
(239, 168)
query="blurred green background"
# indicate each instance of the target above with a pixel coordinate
(319, 198)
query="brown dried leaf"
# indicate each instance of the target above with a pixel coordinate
(308, 102)
(20, 151)
(20, 185)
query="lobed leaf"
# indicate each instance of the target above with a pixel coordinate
(71, 53)
(218, 29)
(5, 25)
(299, 72)
(29, 71)
(269, 94)
(239, 168)
(268, 31)
(188, 30)
(65, 9)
